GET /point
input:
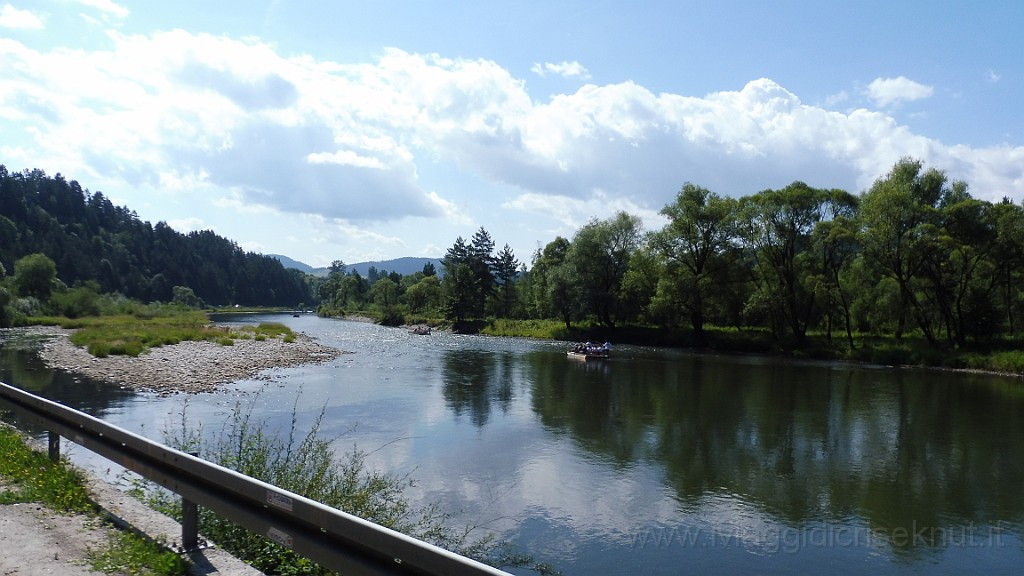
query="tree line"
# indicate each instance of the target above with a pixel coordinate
(94, 245)
(915, 253)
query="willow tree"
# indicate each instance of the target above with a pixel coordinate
(834, 241)
(550, 283)
(776, 228)
(697, 246)
(1008, 255)
(899, 219)
(599, 255)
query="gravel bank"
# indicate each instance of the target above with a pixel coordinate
(187, 367)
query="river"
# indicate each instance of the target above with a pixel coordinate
(656, 461)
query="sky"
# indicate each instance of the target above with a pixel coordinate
(357, 131)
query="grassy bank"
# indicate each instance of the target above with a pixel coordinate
(1003, 356)
(29, 476)
(131, 335)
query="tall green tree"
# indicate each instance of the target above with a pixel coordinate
(697, 244)
(424, 294)
(834, 240)
(599, 255)
(384, 293)
(776, 229)
(459, 286)
(34, 276)
(961, 275)
(481, 262)
(1008, 259)
(550, 284)
(506, 270)
(898, 226)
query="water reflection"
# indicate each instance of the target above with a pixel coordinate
(21, 366)
(907, 452)
(749, 456)
(476, 381)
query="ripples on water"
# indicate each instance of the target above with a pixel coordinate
(658, 461)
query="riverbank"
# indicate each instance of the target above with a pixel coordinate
(186, 367)
(107, 529)
(998, 357)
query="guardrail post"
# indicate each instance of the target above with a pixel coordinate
(330, 537)
(53, 446)
(189, 521)
(189, 524)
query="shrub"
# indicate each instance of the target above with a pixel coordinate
(306, 464)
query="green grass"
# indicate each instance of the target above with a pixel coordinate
(543, 329)
(131, 335)
(127, 553)
(271, 329)
(1005, 356)
(32, 477)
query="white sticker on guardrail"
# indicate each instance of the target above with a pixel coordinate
(282, 538)
(280, 500)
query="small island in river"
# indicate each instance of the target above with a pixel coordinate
(190, 367)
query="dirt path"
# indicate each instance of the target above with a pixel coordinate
(37, 541)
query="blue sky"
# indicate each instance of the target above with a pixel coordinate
(374, 130)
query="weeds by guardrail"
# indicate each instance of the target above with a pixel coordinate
(330, 537)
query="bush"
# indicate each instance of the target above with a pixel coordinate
(98, 349)
(306, 465)
(1010, 361)
(78, 302)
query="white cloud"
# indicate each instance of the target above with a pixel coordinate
(345, 158)
(108, 8)
(887, 91)
(565, 69)
(241, 126)
(186, 225)
(11, 17)
(837, 99)
(993, 77)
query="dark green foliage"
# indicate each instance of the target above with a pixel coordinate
(87, 238)
(80, 301)
(599, 258)
(476, 281)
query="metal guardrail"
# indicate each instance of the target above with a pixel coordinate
(334, 539)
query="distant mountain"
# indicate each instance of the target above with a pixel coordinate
(404, 266)
(289, 263)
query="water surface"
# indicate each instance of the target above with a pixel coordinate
(654, 462)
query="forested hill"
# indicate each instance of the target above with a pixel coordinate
(91, 239)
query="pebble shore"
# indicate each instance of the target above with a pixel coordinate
(187, 367)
